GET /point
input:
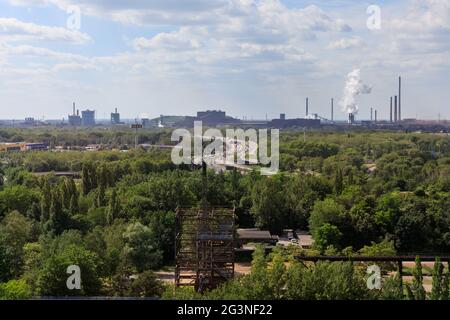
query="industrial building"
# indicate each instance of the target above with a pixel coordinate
(30, 121)
(88, 118)
(22, 146)
(283, 123)
(10, 147)
(115, 117)
(74, 118)
(212, 117)
(149, 123)
(35, 146)
(246, 236)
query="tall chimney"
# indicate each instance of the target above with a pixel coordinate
(307, 107)
(396, 109)
(371, 114)
(376, 116)
(391, 109)
(116, 110)
(351, 118)
(74, 108)
(332, 109)
(399, 98)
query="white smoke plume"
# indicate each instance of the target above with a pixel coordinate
(353, 87)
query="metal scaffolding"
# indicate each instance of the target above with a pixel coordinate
(204, 247)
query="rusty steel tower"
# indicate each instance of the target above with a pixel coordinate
(204, 246)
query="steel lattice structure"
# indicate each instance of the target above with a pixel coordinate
(204, 247)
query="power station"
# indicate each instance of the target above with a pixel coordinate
(87, 117)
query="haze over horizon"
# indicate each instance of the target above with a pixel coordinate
(246, 57)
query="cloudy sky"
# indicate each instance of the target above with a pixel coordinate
(247, 57)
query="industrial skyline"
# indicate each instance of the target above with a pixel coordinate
(251, 57)
(353, 88)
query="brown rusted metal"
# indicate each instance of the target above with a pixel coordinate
(204, 247)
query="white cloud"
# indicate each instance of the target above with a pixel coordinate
(181, 40)
(145, 12)
(424, 29)
(31, 51)
(199, 12)
(259, 36)
(347, 43)
(15, 30)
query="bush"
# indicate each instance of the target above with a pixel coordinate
(15, 290)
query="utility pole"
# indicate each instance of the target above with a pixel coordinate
(136, 126)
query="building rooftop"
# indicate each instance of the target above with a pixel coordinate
(253, 234)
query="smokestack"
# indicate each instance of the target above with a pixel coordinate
(74, 108)
(395, 109)
(391, 109)
(376, 116)
(116, 110)
(332, 109)
(78, 112)
(400, 98)
(351, 118)
(371, 114)
(307, 107)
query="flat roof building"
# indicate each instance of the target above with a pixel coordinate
(115, 117)
(88, 118)
(244, 236)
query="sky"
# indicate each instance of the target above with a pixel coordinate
(252, 58)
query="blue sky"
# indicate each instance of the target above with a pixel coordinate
(247, 57)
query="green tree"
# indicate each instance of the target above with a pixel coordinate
(277, 276)
(145, 285)
(338, 181)
(113, 207)
(88, 178)
(269, 204)
(140, 249)
(53, 273)
(59, 219)
(15, 231)
(327, 235)
(86, 181)
(417, 284)
(436, 292)
(74, 207)
(101, 197)
(392, 289)
(19, 198)
(326, 211)
(65, 193)
(446, 285)
(15, 290)
(46, 201)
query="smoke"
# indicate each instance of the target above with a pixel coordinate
(353, 88)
